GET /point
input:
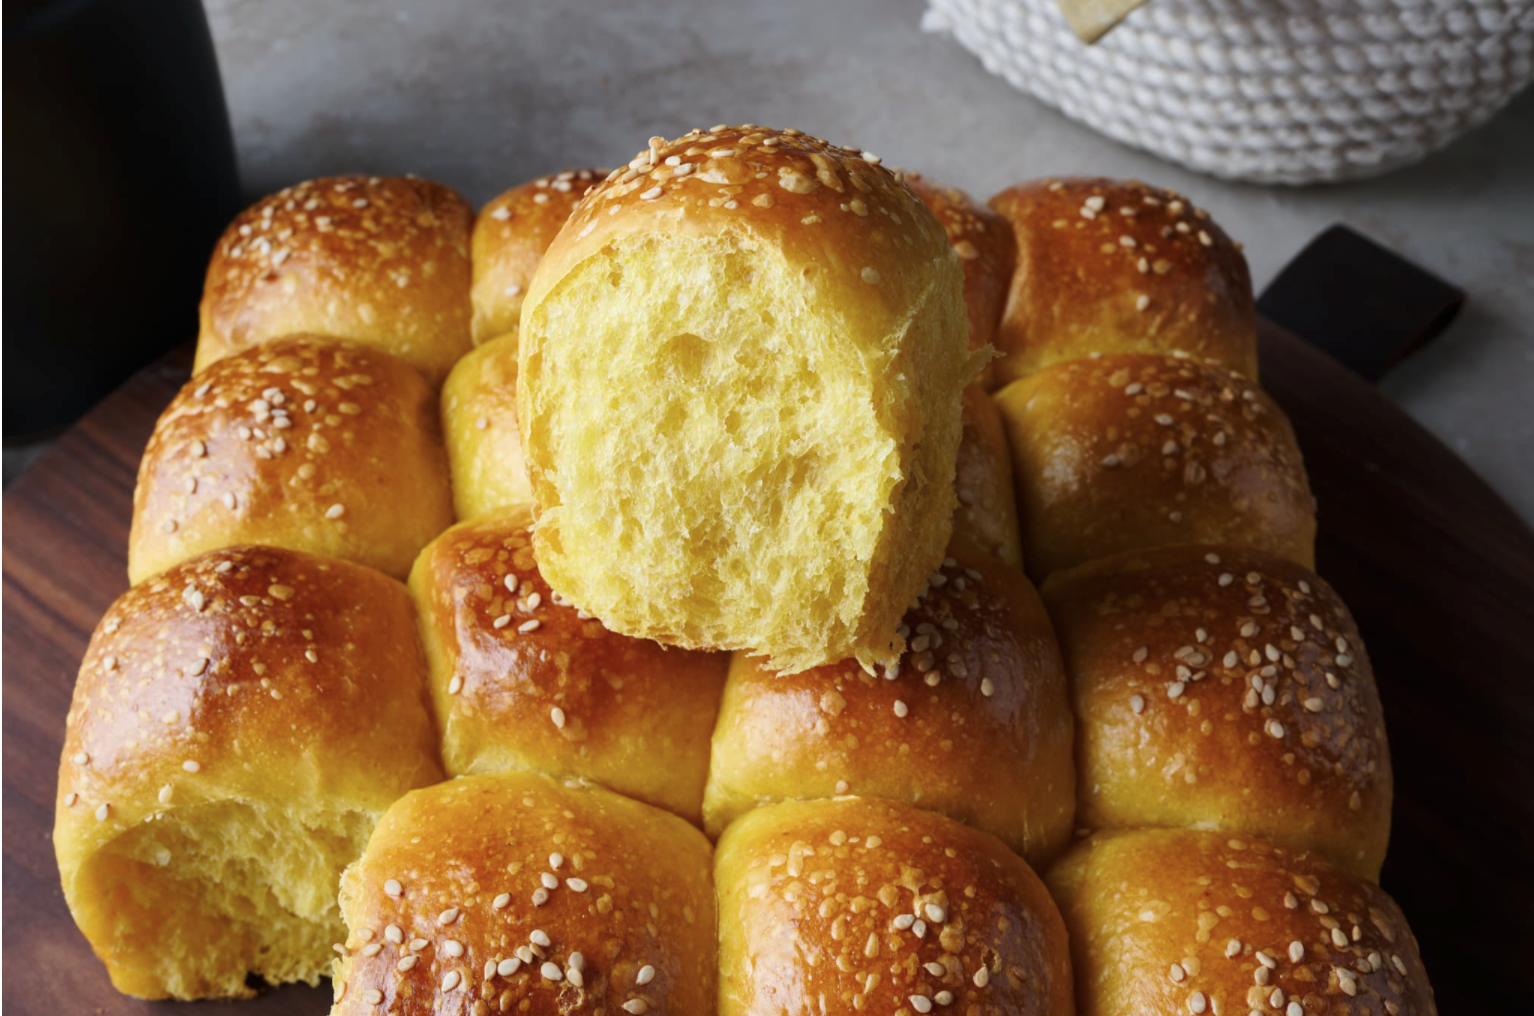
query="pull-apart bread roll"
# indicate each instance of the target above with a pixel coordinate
(1220, 688)
(479, 423)
(973, 721)
(739, 381)
(513, 893)
(1136, 450)
(239, 725)
(851, 906)
(521, 679)
(380, 260)
(987, 511)
(1110, 266)
(323, 446)
(1182, 921)
(510, 235)
(987, 252)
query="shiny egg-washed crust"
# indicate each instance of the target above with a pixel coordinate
(987, 251)
(510, 235)
(1221, 688)
(449, 913)
(1182, 921)
(380, 260)
(856, 905)
(987, 511)
(322, 446)
(1108, 266)
(974, 721)
(479, 425)
(247, 674)
(523, 680)
(1138, 450)
(880, 272)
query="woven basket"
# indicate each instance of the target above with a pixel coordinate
(1273, 91)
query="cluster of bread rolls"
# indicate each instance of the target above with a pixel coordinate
(755, 449)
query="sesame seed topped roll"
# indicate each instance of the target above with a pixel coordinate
(1222, 688)
(522, 679)
(973, 721)
(987, 251)
(1113, 266)
(987, 511)
(512, 892)
(479, 425)
(778, 325)
(859, 905)
(380, 260)
(510, 235)
(1137, 450)
(239, 724)
(324, 446)
(1185, 921)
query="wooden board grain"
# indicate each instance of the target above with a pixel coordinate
(1438, 570)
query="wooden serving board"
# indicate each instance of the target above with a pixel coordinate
(1438, 570)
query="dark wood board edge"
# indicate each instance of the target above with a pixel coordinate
(1438, 569)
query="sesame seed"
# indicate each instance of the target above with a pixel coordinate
(335, 511)
(982, 977)
(576, 884)
(451, 980)
(529, 625)
(369, 951)
(551, 972)
(1197, 1002)
(165, 793)
(448, 916)
(191, 765)
(1296, 951)
(393, 888)
(507, 967)
(921, 1003)
(70, 799)
(636, 1006)
(1137, 703)
(540, 896)
(1233, 948)
(394, 934)
(871, 276)
(1275, 729)
(452, 948)
(454, 685)
(1205, 239)
(1142, 301)
(372, 996)
(935, 913)
(540, 938)
(987, 688)
(558, 716)
(901, 709)
(102, 812)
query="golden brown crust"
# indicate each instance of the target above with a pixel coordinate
(380, 260)
(323, 446)
(987, 511)
(974, 721)
(837, 206)
(988, 252)
(523, 680)
(1136, 450)
(448, 910)
(510, 235)
(1178, 921)
(1221, 688)
(479, 424)
(1108, 266)
(864, 906)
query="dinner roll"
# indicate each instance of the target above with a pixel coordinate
(1110, 266)
(859, 905)
(1222, 688)
(974, 720)
(987, 251)
(239, 724)
(313, 444)
(511, 892)
(510, 235)
(1136, 450)
(739, 380)
(1185, 921)
(987, 511)
(380, 260)
(479, 422)
(523, 680)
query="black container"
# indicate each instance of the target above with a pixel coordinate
(119, 175)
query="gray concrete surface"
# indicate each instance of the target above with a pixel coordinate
(483, 95)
